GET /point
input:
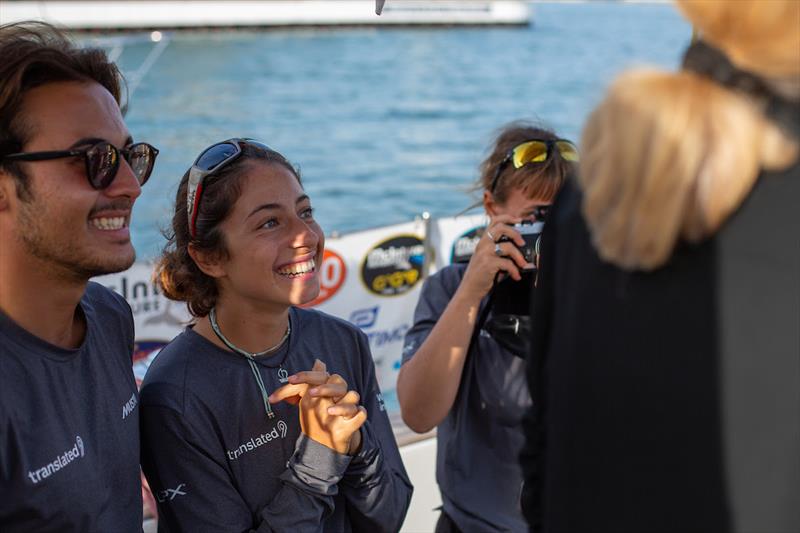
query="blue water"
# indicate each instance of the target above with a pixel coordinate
(384, 124)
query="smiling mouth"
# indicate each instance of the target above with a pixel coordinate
(298, 269)
(109, 223)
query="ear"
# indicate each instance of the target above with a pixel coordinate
(489, 204)
(210, 264)
(8, 190)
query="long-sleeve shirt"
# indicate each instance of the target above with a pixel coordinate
(69, 425)
(216, 462)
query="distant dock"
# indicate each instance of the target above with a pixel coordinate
(124, 15)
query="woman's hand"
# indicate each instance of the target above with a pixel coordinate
(329, 413)
(491, 257)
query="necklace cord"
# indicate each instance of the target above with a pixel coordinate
(261, 387)
(212, 317)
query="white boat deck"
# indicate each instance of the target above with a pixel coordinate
(420, 461)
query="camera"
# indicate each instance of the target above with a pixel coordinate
(532, 233)
(514, 297)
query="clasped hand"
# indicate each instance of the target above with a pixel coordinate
(329, 413)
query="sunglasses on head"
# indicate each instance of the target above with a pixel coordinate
(102, 160)
(534, 151)
(211, 160)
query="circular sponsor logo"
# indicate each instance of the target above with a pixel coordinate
(332, 274)
(464, 246)
(394, 266)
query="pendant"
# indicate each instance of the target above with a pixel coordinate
(283, 375)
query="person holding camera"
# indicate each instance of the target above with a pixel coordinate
(463, 368)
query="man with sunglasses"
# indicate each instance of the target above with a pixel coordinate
(69, 175)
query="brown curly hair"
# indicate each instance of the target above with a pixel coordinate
(537, 180)
(176, 273)
(35, 54)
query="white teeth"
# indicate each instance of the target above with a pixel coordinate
(298, 269)
(108, 223)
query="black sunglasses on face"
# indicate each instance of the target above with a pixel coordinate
(102, 160)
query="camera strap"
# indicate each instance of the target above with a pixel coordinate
(469, 363)
(511, 331)
(484, 314)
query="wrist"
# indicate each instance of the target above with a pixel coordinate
(355, 443)
(467, 299)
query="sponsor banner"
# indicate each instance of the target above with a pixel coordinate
(454, 238)
(385, 270)
(332, 274)
(156, 319)
(394, 266)
(144, 352)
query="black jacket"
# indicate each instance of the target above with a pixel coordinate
(669, 401)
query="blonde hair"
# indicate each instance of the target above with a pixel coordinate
(670, 156)
(761, 36)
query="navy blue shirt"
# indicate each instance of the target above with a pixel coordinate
(69, 425)
(479, 440)
(215, 461)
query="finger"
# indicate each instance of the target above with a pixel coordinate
(319, 366)
(345, 410)
(312, 377)
(336, 378)
(505, 232)
(288, 391)
(351, 397)
(487, 248)
(358, 420)
(329, 390)
(508, 266)
(509, 251)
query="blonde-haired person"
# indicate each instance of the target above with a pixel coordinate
(462, 370)
(667, 391)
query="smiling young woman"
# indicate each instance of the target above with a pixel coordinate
(239, 411)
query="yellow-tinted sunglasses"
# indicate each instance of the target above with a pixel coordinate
(535, 151)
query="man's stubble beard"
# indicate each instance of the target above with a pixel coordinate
(67, 261)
